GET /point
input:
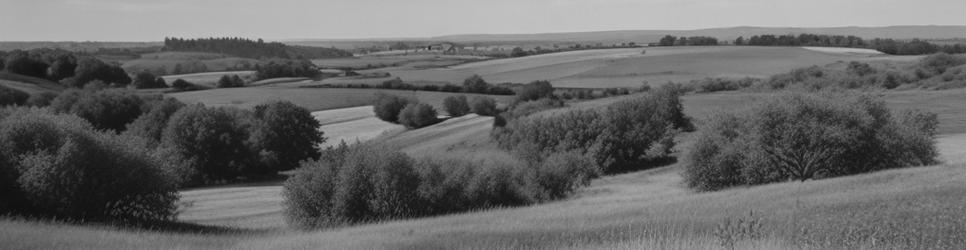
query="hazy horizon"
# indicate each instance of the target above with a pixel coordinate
(142, 20)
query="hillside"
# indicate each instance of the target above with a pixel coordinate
(630, 67)
(28, 84)
(894, 32)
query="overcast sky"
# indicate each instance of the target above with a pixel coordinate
(152, 20)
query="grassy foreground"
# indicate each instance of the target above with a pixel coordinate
(900, 209)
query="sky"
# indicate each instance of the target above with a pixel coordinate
(152, 20)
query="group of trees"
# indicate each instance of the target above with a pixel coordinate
(888, 46)
(147, 80)
(66, 67)
(803, 40)
(251, 49)
(114, 155)
(230, 81)
(285, 68)
(670, 40)
(365, 183)
(405, 111)
(623, 135)
(808, 136)
(938, 71)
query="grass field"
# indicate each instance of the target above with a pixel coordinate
(28, 84)
(414, 61)
(314, 99)
(629, 67)
(649, 209)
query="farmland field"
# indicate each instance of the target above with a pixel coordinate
(629, 67)
(314, 99)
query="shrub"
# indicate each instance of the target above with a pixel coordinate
(483, 106)
(181, 85)
(620, 136)
(534, 91)
(801, 137)
(286, 135)
(210, 144)
(151, 124)
(10, 96)
(456, 106)
(146, 80)
(366, 183)
(475, 84)
(387, 107)
(358, 184)
(42, 99)
(230, 82)
(108, 109)
(561, 174)
(58, 166)
(90, 69)
(418, 115)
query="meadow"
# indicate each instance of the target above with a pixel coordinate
(314, 99)
(630, 67)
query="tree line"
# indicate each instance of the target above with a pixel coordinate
(258, 49)
(887, 46)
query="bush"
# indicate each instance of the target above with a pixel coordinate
(359, 184)
(365, 183)
(418, 115)
(230, 82)
(42, 99)
(146, 80)
(483, 106)
(151, 124)
(108, 109)
(10, 96)
(286, 135)
(475, 84)
(801, 137)
(621, 136)
(58, 166)
(456, 106)
(90, 69)
(387, 107)
(210, 144)
(182, 85)
(534, 91)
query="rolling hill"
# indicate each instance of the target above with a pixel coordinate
(630, 67)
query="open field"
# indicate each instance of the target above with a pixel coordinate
(629, 67)
(28, 84)
(405, 61)
(314, 99)
(352, 125)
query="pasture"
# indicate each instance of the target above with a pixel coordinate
(314, 99)
(631, 67)
(30, 85)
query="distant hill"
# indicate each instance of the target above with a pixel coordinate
(894, 32)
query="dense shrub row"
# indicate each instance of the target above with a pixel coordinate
(623, 135)
(59, 166)
(10, 96)
(366, 183)
(806, 136)
(938, 71)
